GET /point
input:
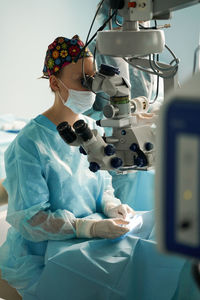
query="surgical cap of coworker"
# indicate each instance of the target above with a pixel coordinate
(62, 52)
(103, 14)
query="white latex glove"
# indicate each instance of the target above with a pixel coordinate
(120, 211)
(109, 228)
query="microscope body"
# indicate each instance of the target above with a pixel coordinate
(131, 145)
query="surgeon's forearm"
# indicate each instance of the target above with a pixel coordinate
(47, 225)
(109, 200)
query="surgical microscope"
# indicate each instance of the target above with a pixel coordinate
(132, 143)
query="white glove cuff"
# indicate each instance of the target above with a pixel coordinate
(108, 207)
(83, 228)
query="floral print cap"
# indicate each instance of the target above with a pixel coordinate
(62, 52)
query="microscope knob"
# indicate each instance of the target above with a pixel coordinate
(134, 147)
(98, 122)
(110, 111)
(116, 162)
(140, 161)
(148, 146)
(109, 150)
(82, 150)
(94, 167)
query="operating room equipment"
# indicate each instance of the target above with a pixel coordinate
(132, 144)
(196, 65)
(177, 176)
(178, 141)
(178, 147)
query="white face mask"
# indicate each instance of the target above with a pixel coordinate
(78, 101)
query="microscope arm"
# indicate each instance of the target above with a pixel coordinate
(166, 7)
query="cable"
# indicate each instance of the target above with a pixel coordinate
(195, 58)
(88, 42)
(157, 69)
(172, 53)
(101, 28)
(147, 28)
(94, 56)
(97, 11)
(139, 67)
(160, 68)
(110, 21)
(158, 72)
(153, 72)
(157, 88)
(116, 21)
(171, 68)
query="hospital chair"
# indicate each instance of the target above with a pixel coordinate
(6, 291)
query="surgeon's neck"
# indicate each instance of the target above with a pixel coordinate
(59, 113)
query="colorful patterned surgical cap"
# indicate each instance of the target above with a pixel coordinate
(62, 52)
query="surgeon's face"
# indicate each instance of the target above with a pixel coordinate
(72, 74)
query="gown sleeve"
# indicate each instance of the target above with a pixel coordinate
(28, 203)
(108, 198)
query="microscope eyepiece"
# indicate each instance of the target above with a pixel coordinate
(109, 70)
(66, 132)
(81, 128)
(87, 82)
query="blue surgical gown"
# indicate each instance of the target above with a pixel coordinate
(49, 185)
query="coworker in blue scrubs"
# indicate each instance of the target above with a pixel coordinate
(49, 184)
(137, 188)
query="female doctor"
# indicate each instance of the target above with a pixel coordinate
(50, 187)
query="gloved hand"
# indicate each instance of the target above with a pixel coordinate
(109, 228)
(120, 211)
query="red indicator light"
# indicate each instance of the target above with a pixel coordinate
(132, 4)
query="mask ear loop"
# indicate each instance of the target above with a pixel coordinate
(61, 98)
(63, 83)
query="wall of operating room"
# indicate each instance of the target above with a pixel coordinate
(28, 26)
(183, 38)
